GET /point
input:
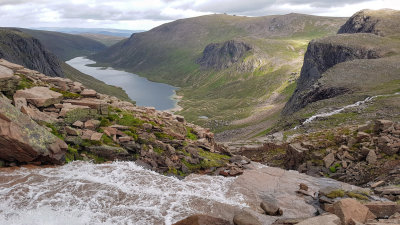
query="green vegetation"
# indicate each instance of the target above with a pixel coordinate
(161, 135)
(66, 94)
(210, 160)
(334, 167)
(24, 83)
(54, 130)
(336, 194)
(190, 134)
(237, 90)
(129, 120)
(71, 155)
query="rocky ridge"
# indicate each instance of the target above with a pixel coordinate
(103, 128)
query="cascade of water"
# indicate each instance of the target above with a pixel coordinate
(337, 111)
(116, 193)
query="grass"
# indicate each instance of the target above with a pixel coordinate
(24, 83)
(190, 134)
(66, 94)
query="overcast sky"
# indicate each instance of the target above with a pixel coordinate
(146, 14)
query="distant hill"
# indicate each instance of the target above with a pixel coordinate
(361, 61)
(66, 46)
(107, 40)
(103, 31)
(229, 67)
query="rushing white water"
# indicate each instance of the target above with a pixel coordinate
(116, 193)
(337, 111)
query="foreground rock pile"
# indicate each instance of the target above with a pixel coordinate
(360, 155)
(99, 127)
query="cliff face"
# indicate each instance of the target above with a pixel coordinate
(223, 55)
(321, 55)
(25, 50)
(380, 22)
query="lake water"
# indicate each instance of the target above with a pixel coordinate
(144, 92)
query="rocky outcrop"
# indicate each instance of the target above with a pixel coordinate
(14, 44)
(323, 54)
(383, 22)
(8, 82)
(103, 128)
(23, 140)
(223, 55)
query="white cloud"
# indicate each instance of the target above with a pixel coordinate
(145, 14)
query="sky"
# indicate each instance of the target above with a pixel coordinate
(146, 14)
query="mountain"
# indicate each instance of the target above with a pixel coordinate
(66, 46)
(107, 40)
(21, 48)
(230, 68)
(103, 31)
(360, 61)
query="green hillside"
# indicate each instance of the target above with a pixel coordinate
(66, 46)
(260, 80)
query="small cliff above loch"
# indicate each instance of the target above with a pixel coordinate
(20, 48)
(223, 55)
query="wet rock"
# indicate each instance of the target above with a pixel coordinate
(39, 96)
(349, 209)
(383, 210)
(329, 219)
(109, 153)
(23, 140)
(202, 220)
(245, 218)
(270, 208)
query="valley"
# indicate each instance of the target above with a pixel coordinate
(210, 120)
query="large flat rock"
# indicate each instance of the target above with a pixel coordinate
(39, 96)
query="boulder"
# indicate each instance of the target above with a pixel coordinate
(381, 125)
(89, 93)
(8, 82)
(92, 124)
(39, 96)
(295, 154)
(66, 107)
(350, 209)
(202, 220)
(388, 190)
(23, 140)
(270, 208)
(329, 219)
(96, 136)
(245, 218)
(10, 65)
(19, 102)
(71, 131)
(329, 159)
(383, 210)
(78, 124)
(39, 116)
(371, 157)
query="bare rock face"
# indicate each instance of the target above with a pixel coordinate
(383, 22)
(23, 140)
(223, 55)
(39, 96)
